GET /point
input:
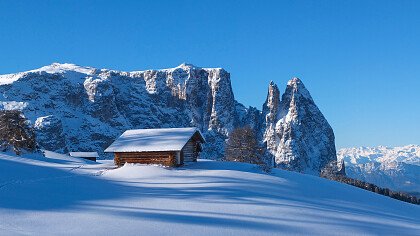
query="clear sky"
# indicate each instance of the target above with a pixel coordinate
(359, 59)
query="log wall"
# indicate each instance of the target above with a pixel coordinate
(162, 158)
(189, 151)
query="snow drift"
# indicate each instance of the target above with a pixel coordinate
(63, 195)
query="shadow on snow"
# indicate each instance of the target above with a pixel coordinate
(45, 188)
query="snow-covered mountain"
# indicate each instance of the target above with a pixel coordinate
(297, 133)
(76, 108)
(397, 168)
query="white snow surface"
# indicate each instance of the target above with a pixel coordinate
(83, 154)
(54, 68)
(64, 67)
(150, 140)
(61, 195)
(13, 105)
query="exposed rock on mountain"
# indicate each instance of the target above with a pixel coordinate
(302, 140)
(49, 133)
(271, 112)
(76, 108)
(90, 107)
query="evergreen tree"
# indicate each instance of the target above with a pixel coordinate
(15, 132)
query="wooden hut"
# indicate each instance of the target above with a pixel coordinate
(168, 146)
(85, 155)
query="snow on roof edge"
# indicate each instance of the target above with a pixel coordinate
(153, 140)
(84, 154)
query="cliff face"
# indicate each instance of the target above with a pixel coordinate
(81, 108)
(76, 108)
(271, 113)
(302, 139)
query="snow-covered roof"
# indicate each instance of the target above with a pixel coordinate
(153, 140)
(84, 154)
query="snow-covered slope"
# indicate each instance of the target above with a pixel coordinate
(67, 196)
(76, 108)
(396, 168)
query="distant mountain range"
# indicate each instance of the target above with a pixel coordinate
(397, 168)
(77, 108)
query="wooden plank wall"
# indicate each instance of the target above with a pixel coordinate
(162, 158)
(189, 151)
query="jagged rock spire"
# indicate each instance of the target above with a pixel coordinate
(271, 112)
(306, 139)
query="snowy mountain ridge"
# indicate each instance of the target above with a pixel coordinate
(54, 68)
(85, 109)
(409, 154)
(392, 167)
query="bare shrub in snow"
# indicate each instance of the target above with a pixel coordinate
(243, 146)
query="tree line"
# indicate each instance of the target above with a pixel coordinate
(402, 196)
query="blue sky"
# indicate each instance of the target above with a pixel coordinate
(359, 59)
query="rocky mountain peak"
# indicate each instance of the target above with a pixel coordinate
(187, 65)
(307, 142)
(63, 68)
(272, 101)
(296, 88)
(271, 113)
(85, 109)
